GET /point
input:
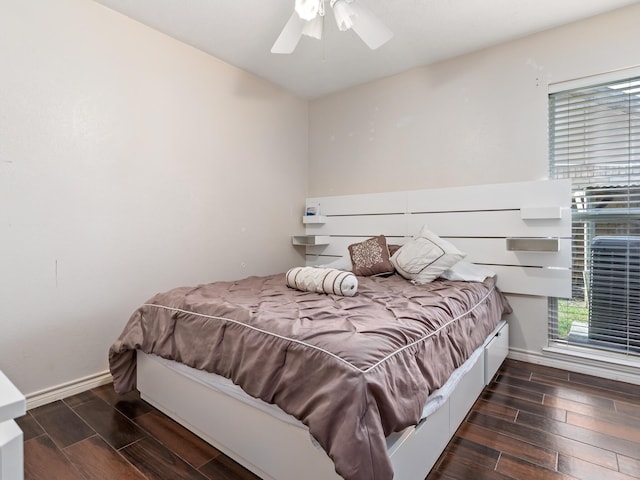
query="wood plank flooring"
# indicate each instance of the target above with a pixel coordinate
(535, 422)
(531, 423)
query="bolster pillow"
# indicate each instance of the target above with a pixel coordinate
(322, 280)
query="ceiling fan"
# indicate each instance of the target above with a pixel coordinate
(308, 19)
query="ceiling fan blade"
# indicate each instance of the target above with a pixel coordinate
(368, 27)
(313, 28)
(288, 39)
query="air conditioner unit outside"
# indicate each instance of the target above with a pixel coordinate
(614, 293)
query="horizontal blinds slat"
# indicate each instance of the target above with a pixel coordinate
(602, 88)
(595, 108)
(595, 114)
(574, 132)
(588, 159)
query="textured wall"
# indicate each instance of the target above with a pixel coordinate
(130, 163)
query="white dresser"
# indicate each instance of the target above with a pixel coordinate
(12, 406)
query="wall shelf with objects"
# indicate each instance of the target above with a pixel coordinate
(310, 240)
(314, 219)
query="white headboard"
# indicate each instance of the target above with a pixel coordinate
(478, 220)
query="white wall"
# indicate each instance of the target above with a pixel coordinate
(480, 118)
(130, 163)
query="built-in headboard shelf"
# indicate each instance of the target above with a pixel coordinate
(477, 219)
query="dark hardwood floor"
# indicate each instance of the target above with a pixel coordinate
(530, 423)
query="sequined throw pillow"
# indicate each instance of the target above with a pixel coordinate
(371, 257)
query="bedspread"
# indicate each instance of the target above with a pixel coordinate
(353, 369)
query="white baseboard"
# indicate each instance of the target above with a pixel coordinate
(68, 389)
(582, 362)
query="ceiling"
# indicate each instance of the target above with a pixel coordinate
(241, 32)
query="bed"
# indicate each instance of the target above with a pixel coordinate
(370, 386)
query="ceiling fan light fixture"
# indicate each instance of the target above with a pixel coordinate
(345, 16)
(308, 19)
(308, 9)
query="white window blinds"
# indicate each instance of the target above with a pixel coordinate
(594, 135)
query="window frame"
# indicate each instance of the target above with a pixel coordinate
(587, 216)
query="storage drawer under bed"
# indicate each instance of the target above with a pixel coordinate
(495, 352)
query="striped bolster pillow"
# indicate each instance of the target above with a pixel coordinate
(322, 280)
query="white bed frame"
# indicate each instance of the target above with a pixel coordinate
(277, 450)
(478, 220)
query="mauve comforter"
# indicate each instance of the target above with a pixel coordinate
(353, 369)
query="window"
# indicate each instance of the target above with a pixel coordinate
(594, 140)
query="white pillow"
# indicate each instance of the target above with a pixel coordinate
(322, 280)
(467, 272)
(425, 257)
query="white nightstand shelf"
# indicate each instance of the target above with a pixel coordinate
(310, 240)
(306, 219)
(12, 402)
(12, 405)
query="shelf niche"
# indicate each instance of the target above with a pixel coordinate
(310, 240)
